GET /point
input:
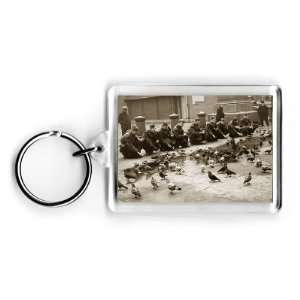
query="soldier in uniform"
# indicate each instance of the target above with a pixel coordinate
(124, 120)
(131, 144)
(151, 140)
(196, 134)
(246, 127)
(216, 131)
(234, 129)
(263, 113)
(210, 132)
(166, 138)
(181, 139)
(222, 127)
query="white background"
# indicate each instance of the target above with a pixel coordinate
(56, 60)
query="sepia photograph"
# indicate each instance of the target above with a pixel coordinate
(189, 149)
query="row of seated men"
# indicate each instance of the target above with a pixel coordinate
(166, 139)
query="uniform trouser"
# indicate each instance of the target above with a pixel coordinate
(166, 144)
(210, 137)
(196, 139)
(181, 141)
(124, 128)
(262, 119)
(246, 130)
(233, 133)
(150, 146)
(131, 151)
(219, 134)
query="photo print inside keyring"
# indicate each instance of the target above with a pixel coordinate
(185, 148)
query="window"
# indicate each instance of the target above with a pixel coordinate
(197, 99)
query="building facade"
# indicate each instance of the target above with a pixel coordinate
(187, 107)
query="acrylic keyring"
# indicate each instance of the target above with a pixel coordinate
(82, 152)
(183, 149)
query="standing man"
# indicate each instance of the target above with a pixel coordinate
(124, 120)
(220, 113)
(263, 113)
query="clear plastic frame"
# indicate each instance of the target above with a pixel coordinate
(197, 167)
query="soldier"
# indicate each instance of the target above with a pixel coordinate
(196, 134)
(181, 139)
(220, 113)
(131, 145)
(222, 127)
(215, 129)
(246, 127)
(124, 120)
(233, 129)
(151, 140)
(210, 132)
(166, 138)
(263, 113)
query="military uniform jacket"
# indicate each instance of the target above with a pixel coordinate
(178, 132)
(165, 134)
(194, 130)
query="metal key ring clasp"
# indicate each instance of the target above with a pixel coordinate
(18, 168)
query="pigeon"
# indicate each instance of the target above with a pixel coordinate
(154, 183)
(253, 152)
(258, 163)
(222, 159)
(197, 157)
(266, 168)
(132, 173)
(162, 175)
(213, 177)
(229, 172)
(223, 169)
(268, 151)
(173, 187)
(121, 186)
(135, 191)
(179, 170)
(172, 166)
(251, 158)
(248, 179)
(211, 163)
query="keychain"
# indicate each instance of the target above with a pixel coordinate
(183, 148)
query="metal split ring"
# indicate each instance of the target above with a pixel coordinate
(82, 152)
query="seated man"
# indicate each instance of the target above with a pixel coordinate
(233, 129)
(151, 140)
(246, 126)
(215, 130)
(131, 145)
(181, 139)
(222, 127)
(166, 138)
(196, 134)
(210, 132)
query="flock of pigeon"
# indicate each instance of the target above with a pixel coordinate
(232, 151)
